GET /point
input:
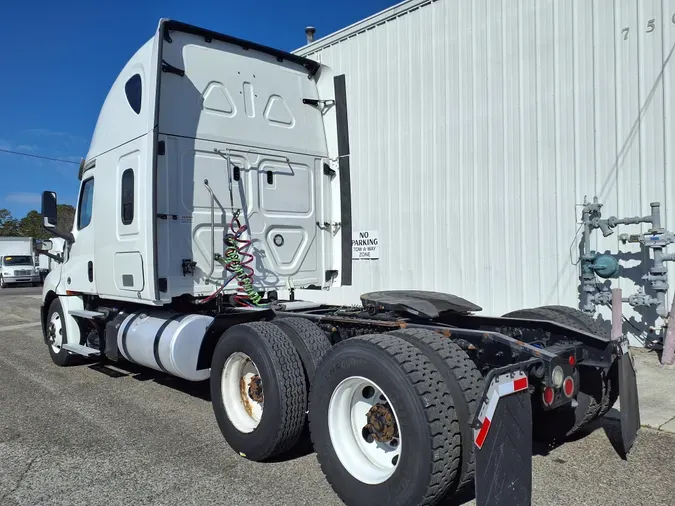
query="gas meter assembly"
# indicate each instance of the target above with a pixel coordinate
(606, 266)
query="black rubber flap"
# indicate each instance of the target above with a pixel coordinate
(628, 399)
(419, 303)
(504, 463)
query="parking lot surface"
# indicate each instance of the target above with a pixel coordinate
(90, 436)
(14, 291)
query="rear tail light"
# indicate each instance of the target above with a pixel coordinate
(548, 395)
(568, 387)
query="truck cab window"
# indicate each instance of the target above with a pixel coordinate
(134, 91)
(86, 204)
(17, 260)
(128, 197)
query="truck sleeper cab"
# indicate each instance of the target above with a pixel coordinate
(218, 176)
(199, 128)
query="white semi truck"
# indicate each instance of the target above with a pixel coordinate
(218, 180)
(17, 262)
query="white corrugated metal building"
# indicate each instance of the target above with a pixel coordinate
(477, 126)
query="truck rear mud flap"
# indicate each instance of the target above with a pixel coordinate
(503, 440)
(628, 398)
(503, 431)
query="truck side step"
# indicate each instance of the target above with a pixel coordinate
(83, 313)
(81, 350)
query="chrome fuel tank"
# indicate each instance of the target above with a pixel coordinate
(165, 341)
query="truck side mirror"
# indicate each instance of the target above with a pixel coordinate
(44, 245)
(49, 209)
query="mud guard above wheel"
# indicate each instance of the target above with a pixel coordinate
(628, 397)
(503, 439)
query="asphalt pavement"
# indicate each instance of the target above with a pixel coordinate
(14, 291)
(84, 435)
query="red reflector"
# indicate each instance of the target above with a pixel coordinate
(568, 386)
(548, 396)
(572, 360)
(520, 384)
(482, 434)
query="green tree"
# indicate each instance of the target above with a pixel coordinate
(66, 218)
(31, 226)
(9, 226)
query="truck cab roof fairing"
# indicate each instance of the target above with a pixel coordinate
(118, 122)
(168, 25)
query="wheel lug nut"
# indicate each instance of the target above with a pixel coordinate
(365, 433)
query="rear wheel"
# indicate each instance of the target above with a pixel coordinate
(258, 390)
(312, 345)
(383, 423)
(464, 383)
(309, 340)
(560, 423)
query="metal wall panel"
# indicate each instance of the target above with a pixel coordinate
(477, 128)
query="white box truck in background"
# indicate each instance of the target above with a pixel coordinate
(17, 261)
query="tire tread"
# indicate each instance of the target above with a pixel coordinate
(438, 409)
(313, 339)
(292, 388)
(467, 376)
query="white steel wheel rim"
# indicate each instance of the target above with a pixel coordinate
(237, 383)
(369, 462)
(55, 330)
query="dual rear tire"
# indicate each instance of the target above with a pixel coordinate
(260, 376)
(384, 424)
(388, 414)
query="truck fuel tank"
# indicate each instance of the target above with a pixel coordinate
(165, 341)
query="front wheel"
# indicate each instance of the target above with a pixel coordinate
(383, 424)
(2, 283)
(56, 335)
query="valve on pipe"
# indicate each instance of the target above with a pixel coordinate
(606, 266)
